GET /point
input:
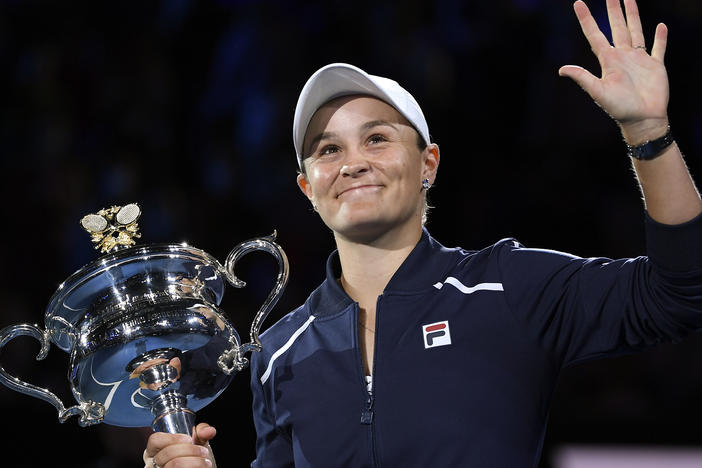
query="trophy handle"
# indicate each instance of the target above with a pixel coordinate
(233, 359)
(90, 412)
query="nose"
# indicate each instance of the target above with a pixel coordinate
(355, 166)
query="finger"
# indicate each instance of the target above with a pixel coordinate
(160, 440)
(598, 42)
(190, 462)
(586, 80)
(181, 452)
(620, 33)
(203, 433)
(660, 42)
(633, 20)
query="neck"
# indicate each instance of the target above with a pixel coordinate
(368, 265)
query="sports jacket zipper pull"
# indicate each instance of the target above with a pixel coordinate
(367, 413)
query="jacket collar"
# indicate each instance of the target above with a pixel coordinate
(427, 264)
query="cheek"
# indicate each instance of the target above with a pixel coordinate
(406, 171)
(319, 181)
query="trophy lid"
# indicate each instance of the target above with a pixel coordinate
(128, 273)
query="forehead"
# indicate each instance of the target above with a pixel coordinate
(355, 109)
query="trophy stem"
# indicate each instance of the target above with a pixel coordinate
(171, 414)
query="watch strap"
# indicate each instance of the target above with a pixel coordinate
(651, 149)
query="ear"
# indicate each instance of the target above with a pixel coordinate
(304, 185)
(431, 158)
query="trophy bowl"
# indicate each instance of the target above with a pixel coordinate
(148, 343)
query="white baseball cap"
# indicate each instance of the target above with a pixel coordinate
(341, 79)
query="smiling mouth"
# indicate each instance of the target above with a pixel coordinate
(357, 189)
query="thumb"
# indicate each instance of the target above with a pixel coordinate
(586, 80)
(203, 433)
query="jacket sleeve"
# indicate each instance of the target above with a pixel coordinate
(273, 448)
(583, 308)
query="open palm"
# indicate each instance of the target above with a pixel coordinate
(633, 87)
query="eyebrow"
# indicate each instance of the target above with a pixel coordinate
(366, 126)
(320, 137)
(377, 123)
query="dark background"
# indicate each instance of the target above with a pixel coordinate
(186, 107)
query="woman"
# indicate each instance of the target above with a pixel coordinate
(412, 354)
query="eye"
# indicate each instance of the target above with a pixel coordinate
(377, 138)
(329, 149)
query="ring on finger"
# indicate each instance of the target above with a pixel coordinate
(153, 464)
(640, 47)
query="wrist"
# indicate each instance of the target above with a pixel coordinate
(637, 133)
(651, 149)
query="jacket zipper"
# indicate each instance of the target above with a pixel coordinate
(368, 412)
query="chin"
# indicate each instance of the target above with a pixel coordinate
(362, 230)
(366, 225)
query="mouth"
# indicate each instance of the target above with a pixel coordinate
(359, 189)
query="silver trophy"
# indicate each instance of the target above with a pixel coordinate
(148, 343)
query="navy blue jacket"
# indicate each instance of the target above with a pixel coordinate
(469, 345)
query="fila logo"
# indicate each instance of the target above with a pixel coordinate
(436, 334)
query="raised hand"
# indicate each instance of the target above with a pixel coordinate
(633, 88)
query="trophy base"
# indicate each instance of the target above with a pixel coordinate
(171, 414)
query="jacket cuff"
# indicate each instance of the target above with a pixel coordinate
(675, 247)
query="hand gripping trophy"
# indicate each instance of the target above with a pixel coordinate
(147, 341)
